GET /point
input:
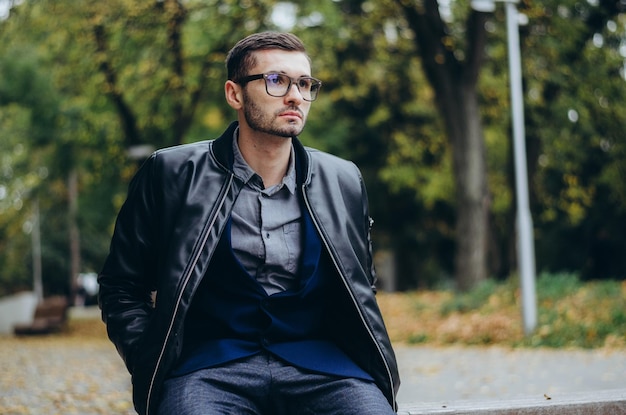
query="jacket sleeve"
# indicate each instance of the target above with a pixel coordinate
(127, 277)
(367, 222)
(364, 219)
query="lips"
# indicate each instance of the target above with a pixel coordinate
(296, 114)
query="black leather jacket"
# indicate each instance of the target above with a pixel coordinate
(167, 230)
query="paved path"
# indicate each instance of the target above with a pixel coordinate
(67, 376)
(461, 373)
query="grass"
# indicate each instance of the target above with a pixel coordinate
(571, 314)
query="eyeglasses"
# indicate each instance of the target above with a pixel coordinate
(278, 84)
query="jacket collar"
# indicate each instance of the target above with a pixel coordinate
(223, 151)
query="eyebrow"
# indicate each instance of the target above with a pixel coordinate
(285, 73)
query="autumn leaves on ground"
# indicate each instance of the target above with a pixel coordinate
(570, 314)
(416, 317)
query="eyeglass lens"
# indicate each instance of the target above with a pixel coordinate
(278, 85)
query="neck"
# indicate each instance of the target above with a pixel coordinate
(267, 155)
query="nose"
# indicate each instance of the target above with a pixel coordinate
(294, 96)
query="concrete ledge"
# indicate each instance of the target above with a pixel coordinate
(609, 402)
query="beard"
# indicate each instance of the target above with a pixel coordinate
(261, 121)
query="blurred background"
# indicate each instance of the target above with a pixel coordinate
(416, 93)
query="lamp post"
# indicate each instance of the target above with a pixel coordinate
(525, 243)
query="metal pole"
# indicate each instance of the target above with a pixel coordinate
(525, 248)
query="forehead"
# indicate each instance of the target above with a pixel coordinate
(277, 60)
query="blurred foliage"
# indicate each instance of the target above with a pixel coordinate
(571, 313)
(472, 300)
(81, 83)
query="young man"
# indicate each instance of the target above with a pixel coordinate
(240, 276)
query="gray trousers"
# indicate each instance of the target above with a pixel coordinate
(265, 385)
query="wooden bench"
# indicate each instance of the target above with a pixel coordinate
(50, 317)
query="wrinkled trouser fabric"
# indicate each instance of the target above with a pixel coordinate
(265, 385)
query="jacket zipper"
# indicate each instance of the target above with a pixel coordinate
(190, 269)
(355, 303)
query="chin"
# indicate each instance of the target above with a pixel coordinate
(290, 131)
(295, 132)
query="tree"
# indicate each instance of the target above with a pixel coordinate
(28, 112)
(386, 91)
(452, 69)
(402, 97)
(154, 63)
(576, 115)
(452, 48)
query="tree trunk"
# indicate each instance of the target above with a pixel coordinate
(36, 242)
(74, 232)
(455, 84)
(470, 174)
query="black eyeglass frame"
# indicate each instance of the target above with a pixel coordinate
(292, 81)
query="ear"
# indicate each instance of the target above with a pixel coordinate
(233, 94)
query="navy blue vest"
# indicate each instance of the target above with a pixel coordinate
(232, 317)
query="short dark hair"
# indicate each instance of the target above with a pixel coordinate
(241, 57)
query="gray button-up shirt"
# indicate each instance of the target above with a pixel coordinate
(266, 226)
